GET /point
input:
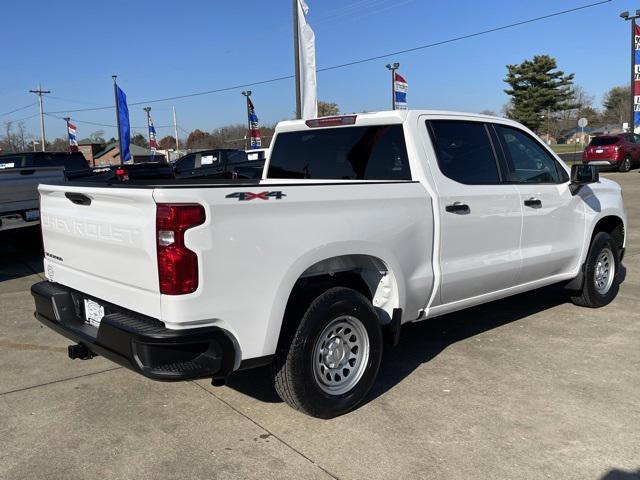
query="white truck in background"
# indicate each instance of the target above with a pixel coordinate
(359, 224)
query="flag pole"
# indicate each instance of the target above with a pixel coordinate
(115, 94)
(392, 68)
(296, 49)
(247, 94)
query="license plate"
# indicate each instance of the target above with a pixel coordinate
(32, 215)
(93, 312)
(599, 150)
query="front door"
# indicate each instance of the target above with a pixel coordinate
(553, 219)
(480, 216)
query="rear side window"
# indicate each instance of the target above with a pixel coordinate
(236, 157)
(352, 153)
(464, 151)
(603, 141)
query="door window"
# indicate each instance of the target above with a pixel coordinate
(207, 159)
(11, 162)
(185, 163)
(464, 151)
(527, 161)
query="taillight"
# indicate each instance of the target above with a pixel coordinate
(177, 265)
(122, 174)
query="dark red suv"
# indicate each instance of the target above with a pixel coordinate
(621, 151)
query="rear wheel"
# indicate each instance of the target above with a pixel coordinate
(333, 357)
(625, 164)
(601, 279)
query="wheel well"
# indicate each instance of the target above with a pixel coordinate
(613, 226)
(366, 274)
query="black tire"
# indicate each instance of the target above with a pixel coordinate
(589, 296)
(625, 164)
(293, 366)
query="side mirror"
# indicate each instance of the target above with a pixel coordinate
(583, 175)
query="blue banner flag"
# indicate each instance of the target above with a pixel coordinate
(125, 128)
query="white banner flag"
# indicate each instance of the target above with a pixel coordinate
(307, 48)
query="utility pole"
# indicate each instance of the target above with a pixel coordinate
(40, 93)
(393, 67)
(175, 130)
(296, 54)
(247, 94)
(626, 16)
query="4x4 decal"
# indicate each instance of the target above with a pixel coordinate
(244, 196)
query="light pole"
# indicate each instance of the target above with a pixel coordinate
(393, 67)
(247, 93)
(626, 16)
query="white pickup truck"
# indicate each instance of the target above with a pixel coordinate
(359, 224)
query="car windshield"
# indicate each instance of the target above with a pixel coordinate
(602, 141)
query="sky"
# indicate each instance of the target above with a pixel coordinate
(160, 49)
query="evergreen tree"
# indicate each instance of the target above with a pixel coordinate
(537, 88)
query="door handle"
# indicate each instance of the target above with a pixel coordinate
(78, 198)
(533, 203)
(459, 208)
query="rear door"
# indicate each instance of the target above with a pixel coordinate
(101, 241)
(553, 219)
(480, 216)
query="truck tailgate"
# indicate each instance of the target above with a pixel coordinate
(101, 241)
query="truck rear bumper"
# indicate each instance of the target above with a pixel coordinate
(142, 344)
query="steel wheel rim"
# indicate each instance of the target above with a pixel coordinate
(340, 355)
(604, 271)
(627, 164)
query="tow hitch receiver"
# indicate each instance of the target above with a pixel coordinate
(80, 351)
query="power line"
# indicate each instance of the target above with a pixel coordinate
(360, 61)
(75, 120)
(17, 120)
(18, 109)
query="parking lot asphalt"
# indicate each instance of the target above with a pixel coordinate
(527, 387)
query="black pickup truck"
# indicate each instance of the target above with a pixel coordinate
(218, 163)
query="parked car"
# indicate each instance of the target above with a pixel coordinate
(219, 163)
(20, 174)
(620, 151)
(361, 224)
(125, 172)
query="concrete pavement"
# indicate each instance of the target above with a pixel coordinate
(527, 387)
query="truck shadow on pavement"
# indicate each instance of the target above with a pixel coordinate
(20, 253)
(423, 341)
(616, 474)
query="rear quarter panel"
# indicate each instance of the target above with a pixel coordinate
(251, 253)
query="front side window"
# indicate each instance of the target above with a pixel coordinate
(464, 152)
(211, 159)
(352, 153)
(527, 161)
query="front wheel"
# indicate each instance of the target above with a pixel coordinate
(601, 278)
(333, 358)
(625, 164)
